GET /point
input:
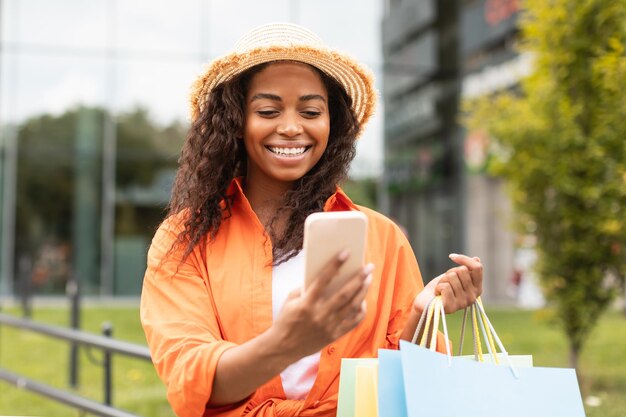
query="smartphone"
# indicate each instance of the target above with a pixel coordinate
(328, 233)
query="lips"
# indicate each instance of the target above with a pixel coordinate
(288, 151)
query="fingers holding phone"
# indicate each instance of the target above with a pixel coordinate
(353, 311)
(345, 308)
(336, 281)
(311, 319)
(334, 249)
(317, 286)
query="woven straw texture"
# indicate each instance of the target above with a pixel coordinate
(288, 42)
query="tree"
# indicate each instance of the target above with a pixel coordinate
(361, 191)
(560, 142)
(47, 173)
(144, 148)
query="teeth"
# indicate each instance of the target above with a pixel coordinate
(287, 151)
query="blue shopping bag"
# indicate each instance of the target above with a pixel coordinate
(391, 398)
(436, 387)
(418, 382)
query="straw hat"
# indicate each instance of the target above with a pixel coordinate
(288, 42)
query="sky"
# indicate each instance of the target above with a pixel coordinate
(122, 53)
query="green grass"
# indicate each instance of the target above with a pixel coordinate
(138, 389)
(136, 386)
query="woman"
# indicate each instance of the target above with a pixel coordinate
(231, 331)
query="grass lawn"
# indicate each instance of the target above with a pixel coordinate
(138, 389)
(136, 386)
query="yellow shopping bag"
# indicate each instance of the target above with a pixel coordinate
(366, 391)
(356, 380)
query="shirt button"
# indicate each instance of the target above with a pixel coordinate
(331, 349)
(316, 403)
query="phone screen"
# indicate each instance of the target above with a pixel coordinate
(328, 233)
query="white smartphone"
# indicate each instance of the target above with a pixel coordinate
(325, 235)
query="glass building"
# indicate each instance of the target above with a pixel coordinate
(436, 53)
(93, 111)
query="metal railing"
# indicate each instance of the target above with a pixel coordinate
(105, 343)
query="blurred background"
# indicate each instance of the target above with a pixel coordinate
(93, 112)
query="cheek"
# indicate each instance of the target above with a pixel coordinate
(253, 131)
(322, 131)
(250, 127)
(322, 135)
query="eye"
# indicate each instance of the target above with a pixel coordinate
(267, 113)
(311, 114)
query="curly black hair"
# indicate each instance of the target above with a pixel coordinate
(214, 154)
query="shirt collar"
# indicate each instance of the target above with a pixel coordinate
(338, 201)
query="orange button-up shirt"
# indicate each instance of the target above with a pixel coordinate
(221, 296)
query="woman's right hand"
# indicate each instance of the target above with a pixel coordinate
(311, 318)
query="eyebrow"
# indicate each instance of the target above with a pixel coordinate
(274, 97)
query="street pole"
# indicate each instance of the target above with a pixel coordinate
(9, 171)
(2, 276)
(109, 155)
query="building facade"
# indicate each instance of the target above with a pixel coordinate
(437, 53)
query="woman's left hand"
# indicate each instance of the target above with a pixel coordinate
(459, 286)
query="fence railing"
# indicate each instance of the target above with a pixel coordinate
(105, 343)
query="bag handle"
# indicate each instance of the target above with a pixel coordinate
(477, 318)
(434, 309)
(495, 335)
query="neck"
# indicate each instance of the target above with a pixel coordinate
(266, 198)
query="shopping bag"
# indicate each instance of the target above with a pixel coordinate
(440, 385)
(434, 387)
(365, 392)
(347, 384)
(391, 397)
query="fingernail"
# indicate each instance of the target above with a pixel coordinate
(343, 255)
(368, 269)
(453, 255)
(368, 280)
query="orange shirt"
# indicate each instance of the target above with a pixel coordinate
(221, 296)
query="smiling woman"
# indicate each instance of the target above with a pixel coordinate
(231, 330)
(286, 129)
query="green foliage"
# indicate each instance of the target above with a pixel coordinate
(363, 191)
(561, 146)
(51, 148)
(144, 148)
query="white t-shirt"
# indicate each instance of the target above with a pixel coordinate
(299, 377)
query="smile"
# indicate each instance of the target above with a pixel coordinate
(288, 151)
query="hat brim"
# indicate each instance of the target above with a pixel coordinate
(357, 80)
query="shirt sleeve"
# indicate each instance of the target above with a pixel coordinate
(401, 264)
(179, 320)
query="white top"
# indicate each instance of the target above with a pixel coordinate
(299, 377)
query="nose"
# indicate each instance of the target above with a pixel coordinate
(289, 126)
